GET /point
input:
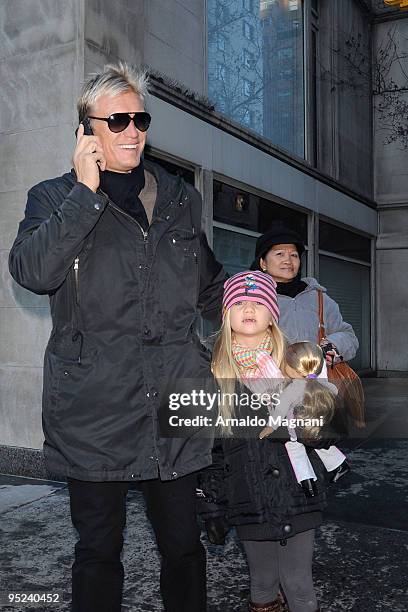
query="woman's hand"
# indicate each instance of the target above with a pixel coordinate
(330, 352)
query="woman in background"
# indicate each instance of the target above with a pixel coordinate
(278, 253)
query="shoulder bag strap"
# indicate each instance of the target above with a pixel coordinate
(322, 331)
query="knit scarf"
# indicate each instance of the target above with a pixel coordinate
(246, 358)
(257, 366)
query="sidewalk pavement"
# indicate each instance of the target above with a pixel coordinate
(361, 552)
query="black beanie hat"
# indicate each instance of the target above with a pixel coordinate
(278, 234)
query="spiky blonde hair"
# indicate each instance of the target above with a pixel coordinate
(112, 81)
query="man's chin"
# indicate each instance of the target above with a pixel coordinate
(131, 160)
(133, 164)
(124, 168)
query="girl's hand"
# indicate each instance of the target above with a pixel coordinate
(265, 432)
(217, 529)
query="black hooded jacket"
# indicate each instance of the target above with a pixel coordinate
(124, 304)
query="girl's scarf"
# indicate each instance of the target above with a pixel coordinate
(247, 358)
(258, 365)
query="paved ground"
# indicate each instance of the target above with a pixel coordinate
(361, 557)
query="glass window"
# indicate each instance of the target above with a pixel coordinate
(248, 31)
(246, 210)
(313, 97)
(285, 53)
(349, 285)
(221, 106)
(286, 74)
(234, 250)
(222, 11)
(248, 59)
(249, 119)
(344, 242)
(248, 88)
(221, 71)
(263, 43)
(186, 173)
(221, 43)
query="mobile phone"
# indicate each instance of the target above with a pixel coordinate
(87, 127)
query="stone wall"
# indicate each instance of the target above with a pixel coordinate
(391, 194)
(40, 54)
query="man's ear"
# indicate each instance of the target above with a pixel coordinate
(262, 264)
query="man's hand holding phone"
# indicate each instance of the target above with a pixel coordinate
(88, 159)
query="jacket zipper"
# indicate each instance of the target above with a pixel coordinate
(76, 276)
(77, 334)
(144, 232)
(145, 236)
(122, 212)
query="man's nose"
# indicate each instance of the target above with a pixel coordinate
(131, 130)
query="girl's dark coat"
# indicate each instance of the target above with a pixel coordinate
(251, 481)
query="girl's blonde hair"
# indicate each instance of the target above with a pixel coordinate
(307, 358)
(226, 370)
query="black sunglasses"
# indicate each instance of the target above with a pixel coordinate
(117, 122)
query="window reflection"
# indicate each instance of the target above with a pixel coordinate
(250, 212)
(255, 66)
(234, 250)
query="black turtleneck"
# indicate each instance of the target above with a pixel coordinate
(124, 188)
(292, 288)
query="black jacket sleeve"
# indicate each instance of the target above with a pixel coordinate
(212, 274)
(51, 234)
(212, 278)
(212, 497)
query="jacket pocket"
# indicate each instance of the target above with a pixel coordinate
(77, 266)
(184, 249)
(185, 241)
(67, 363)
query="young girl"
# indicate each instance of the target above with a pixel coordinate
(252, 479)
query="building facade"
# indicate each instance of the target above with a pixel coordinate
(274, 109)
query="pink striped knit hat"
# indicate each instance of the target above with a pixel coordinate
(252, 287)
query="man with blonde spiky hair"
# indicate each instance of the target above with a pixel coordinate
(118, 247)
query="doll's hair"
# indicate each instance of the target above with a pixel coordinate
(226, 370)
(307, 359)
